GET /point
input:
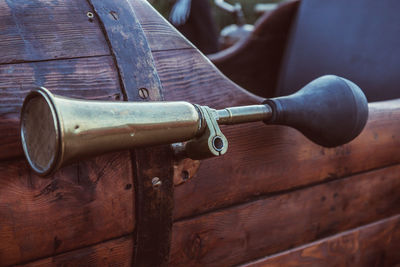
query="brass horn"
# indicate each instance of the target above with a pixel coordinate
(57, 130)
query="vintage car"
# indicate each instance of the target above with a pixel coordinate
(121, 169)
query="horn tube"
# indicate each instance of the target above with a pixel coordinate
(56, 130)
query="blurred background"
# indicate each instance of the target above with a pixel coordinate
(222, 19)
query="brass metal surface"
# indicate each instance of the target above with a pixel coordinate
(86, 128)
(39, 132)
(57, 130)
(243, 114)
(212, 142)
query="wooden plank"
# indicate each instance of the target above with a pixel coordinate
(256, 229)
(265, 159)
(137, 72)
(82, 204)
(160, 34)
(117, 252)
(94, 78)
(41, 30)
(376, 244)
(189, 75)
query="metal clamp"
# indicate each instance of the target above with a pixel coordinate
(212, 142)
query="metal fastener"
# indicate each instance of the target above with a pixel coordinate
(156, 182)
(89, 15)
(114, 15)
(143, 93)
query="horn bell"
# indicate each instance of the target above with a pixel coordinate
(57, 130)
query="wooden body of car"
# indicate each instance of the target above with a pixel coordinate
(275, 199)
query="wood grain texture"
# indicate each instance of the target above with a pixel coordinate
(253, 230)
(41, 30)
(116, 253)
(376, 244)
(92, 78)
(265, 159)
(82, 204)
(189, 75)
(154, 205)
(276, 168)
(160, 34)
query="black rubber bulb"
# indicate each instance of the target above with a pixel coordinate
(330, 111)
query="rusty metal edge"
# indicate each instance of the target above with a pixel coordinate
(153, 175)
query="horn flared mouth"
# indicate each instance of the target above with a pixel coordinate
(40, 131)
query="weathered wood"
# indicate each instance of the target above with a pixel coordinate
(41, 30)
(129, 47)
(81, 205)
(265, 159)
(153, 166)
(154, 206)
(93, 78)
(160, 34)
(253, 230)
(274, 167)
(376, 244)
(188, 75)
(117, 252)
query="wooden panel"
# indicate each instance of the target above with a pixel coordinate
(265, 159)
(81, 205)
(189, 75)
(116, 252)
(81, 78)
(376, 244)
(154, 205)
(160, 34)
(32, 30)
(278, 223)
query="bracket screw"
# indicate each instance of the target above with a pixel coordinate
(90, 15)
(156, 182)
(143, 93)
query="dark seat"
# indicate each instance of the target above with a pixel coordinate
(357, 39)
